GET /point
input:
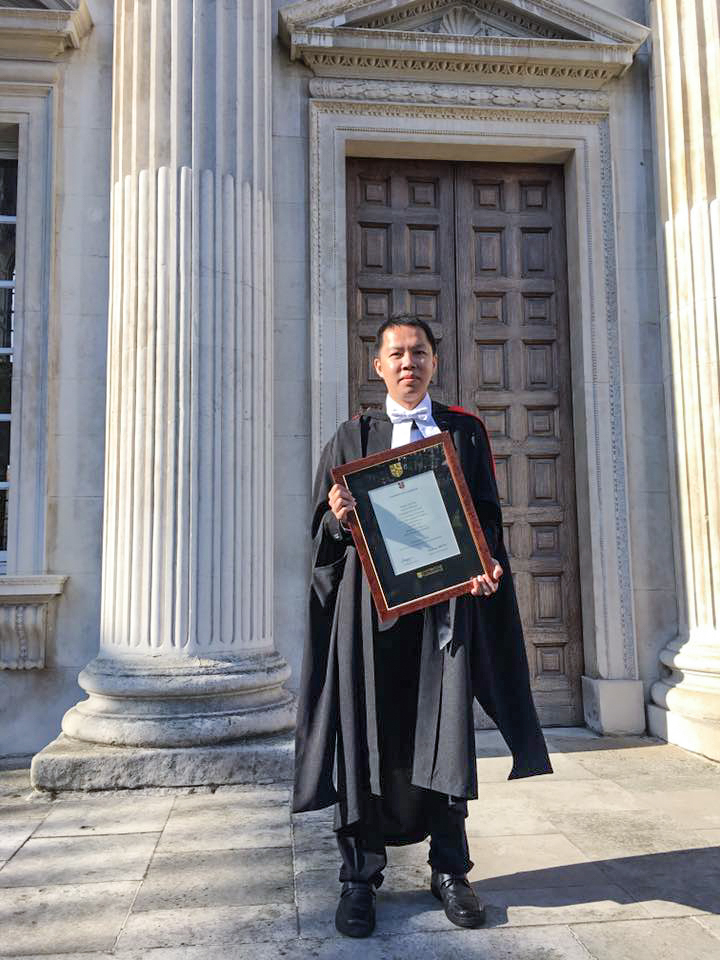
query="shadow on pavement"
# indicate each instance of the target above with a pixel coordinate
(681, 881)
(566, 740)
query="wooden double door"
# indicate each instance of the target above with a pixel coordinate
(478, 250)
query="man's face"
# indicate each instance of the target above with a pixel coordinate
(406, 363)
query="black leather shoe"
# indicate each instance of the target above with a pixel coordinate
(462, 907)
(355, 915)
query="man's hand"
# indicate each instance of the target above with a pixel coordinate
(486, 586)
(341, 502)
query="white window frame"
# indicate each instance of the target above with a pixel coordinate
(7, 154)
(26, 591)
(30, 107)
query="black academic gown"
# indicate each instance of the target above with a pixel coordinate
(336, 745)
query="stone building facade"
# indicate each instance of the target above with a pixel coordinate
(207, 208)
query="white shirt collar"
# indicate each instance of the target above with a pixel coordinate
(403, 420)
(398, 413)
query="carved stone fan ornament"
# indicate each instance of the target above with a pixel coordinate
(463, 21)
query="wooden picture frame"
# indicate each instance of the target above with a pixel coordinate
(390, 538)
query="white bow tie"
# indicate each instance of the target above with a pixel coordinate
(398, 414)
(402, 420)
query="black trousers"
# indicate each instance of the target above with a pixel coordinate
(362, 845)
(405, 813)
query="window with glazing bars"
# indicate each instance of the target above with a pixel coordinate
(8, 227)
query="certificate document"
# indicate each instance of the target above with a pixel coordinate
(414, 525)
(414, 522)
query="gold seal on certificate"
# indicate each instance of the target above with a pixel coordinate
(415, 527)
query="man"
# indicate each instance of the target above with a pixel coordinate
(385, 721)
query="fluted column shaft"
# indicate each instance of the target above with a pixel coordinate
(187, 588)
(686, 701)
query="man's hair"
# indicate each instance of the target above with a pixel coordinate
(405, 320)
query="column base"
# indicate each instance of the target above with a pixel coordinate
(690, 733)
(685, 708)
(73, 765)
(614, 707)
(190, 702)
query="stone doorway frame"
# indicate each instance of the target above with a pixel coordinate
(401, 120)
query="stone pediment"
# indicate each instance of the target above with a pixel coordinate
(469, 20)
(542, 42)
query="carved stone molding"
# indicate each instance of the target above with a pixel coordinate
(444, 93)
(24, 621)
(522, 43)
(617, 436)
(42, 34)
(522, 71)
(403, 110)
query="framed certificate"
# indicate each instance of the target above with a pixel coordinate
(415, 527)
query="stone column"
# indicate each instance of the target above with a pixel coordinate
(186, 648)
(685, 706)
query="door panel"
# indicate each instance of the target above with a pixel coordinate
(514, 353)
(479, 251)
(401, 259)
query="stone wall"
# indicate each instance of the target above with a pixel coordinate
(33, 701)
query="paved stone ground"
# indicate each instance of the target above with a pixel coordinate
(614, 857)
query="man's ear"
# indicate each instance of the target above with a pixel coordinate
(376, 364)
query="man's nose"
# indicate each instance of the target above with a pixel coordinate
(408, 360)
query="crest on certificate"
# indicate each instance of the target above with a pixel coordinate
(396, 469)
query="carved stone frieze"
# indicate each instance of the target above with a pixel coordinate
(539, 98)
(481, 71)
(403, 110)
